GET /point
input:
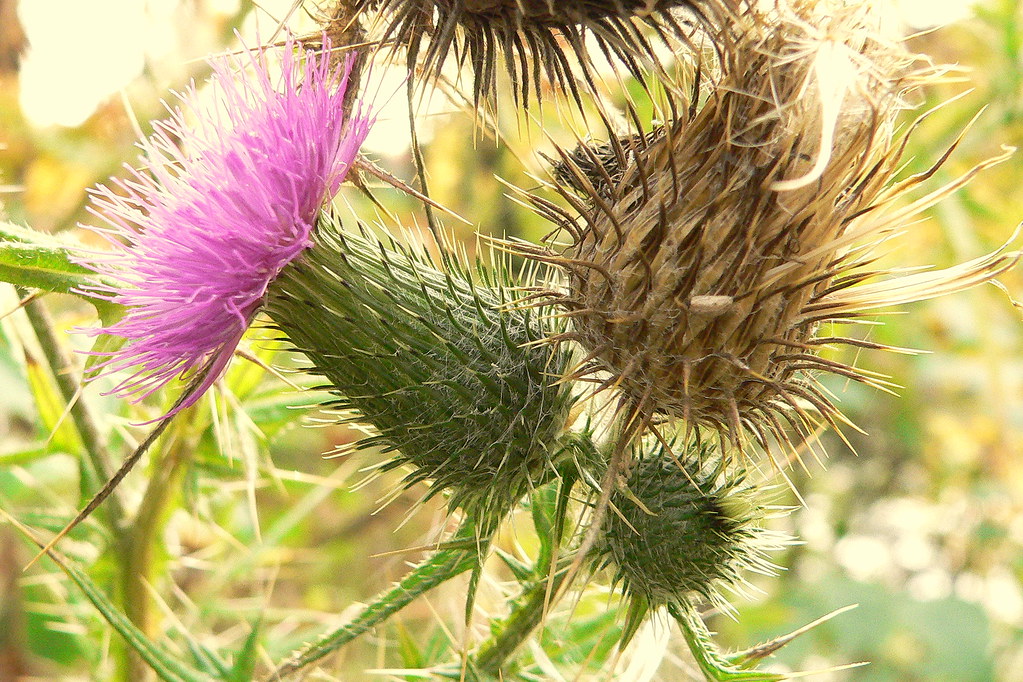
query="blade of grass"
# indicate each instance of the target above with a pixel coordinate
(162, 662)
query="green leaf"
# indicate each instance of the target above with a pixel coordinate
(244, 378)
(277, 407)
(30, 258)
(105, 343)
(207, 659)
(41, 268)
(43, 263)
(51, 408)
(713, 665)
(408, 649)
(494, 656)
(520, 570)
(474, 582)
(436, 569)
(245, 666)
(634, 617)
(23, 455)
(543, 506)
(9, 232)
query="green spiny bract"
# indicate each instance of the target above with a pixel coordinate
(686, 528)
(538, 39)
(434, 362)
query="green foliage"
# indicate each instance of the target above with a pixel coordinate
(34, 259)
(164, 663)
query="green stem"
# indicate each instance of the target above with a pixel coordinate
(81, 413)
(442, 566)
(138, 547)
(714, 666)
(525, 617)
(134, 542)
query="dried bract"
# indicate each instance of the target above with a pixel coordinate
(536, 39)
(706, 255)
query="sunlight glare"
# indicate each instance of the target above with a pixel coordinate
(80, 53)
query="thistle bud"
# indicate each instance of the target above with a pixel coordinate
(706, 254)
(686, 528)
(432, 361)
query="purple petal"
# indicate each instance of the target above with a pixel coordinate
(216, 210)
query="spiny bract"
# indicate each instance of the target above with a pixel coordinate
(537, 39)
(433, 361)
(686, 528)
(706, 254)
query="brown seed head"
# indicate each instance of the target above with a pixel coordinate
(706, 253)
(538, 40)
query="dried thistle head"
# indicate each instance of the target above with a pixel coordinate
(536, 39)
(706, 254)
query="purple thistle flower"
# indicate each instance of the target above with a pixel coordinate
(216, 210)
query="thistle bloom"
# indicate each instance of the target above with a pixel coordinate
(216, 210)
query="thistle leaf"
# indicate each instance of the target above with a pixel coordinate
(438, 568)
(35, 259)
(712, 664)
(163, 662)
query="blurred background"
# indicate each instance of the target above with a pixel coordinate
(922, 527)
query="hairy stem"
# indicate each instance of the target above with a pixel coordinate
(81, 413)
(442, 566)
(138, 546)
(526, 615)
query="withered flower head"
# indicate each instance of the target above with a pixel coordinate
(536, 39)
(707, 253)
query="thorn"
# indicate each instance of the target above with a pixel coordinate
(362, 163)
(765, 649)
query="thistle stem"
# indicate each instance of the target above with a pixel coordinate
(138, 546)
(81, 413)
(526, 615)
(442, 566)
(713, 665)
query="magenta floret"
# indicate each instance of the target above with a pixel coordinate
(216, 209)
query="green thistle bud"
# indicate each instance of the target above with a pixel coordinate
(684, 532)
(432, 361)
